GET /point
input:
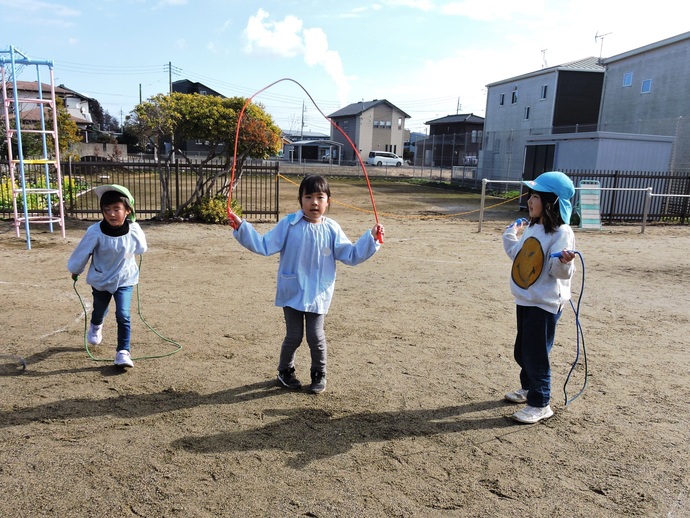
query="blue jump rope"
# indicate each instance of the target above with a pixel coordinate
(580, 349)
(178, 347)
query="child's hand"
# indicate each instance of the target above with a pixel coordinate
(378, 231)
(75, 277)
(518, 223)
(234, 220)
(567, 256)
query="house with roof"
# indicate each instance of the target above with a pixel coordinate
(638, 101)
(185, 86)
(77, 105)
(305, 145)
(376, 125)
(555, 100)
(195, 147)
(646, 92)
(454, 140)
(78, 108)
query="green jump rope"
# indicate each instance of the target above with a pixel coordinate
(178, 347)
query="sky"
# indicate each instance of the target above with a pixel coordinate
(430, 58)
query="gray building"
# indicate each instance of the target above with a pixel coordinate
(376, 125)
(631, 113)
(559, 99)
(647, 91)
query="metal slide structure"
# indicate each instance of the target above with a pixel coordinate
(36, 182)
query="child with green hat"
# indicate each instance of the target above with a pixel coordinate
(111, 245)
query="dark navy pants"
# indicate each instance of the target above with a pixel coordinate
(536, 329)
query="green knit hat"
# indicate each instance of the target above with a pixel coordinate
(102, 189)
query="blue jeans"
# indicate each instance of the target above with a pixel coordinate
(316, 338)
(123, 300)
(536, 330)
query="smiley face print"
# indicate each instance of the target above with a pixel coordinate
(528, 263)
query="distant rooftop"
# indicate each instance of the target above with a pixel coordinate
(590, 64)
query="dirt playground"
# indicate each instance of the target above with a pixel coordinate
(413, 421)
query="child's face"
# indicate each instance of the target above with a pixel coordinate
(116, 213)
(534, 205)
(314, 205)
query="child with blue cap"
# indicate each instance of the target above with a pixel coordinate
(111, 245)
(540, 285)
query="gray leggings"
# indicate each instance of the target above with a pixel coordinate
(316, 338)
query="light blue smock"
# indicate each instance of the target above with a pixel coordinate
(308, 252)
(112, 258)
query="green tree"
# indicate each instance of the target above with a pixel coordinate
(68, 132)
(176, 118)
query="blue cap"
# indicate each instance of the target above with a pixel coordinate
(559, 184)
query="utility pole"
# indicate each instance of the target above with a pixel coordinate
(301, 135)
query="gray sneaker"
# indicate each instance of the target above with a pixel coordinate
(95, 334)
(287, 379)
(532, 414)
(518, 396)
(123, 359)
(318, 382)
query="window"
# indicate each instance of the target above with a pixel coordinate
(388, 124)
(514, 98)
(627, 79)
(646, 86)
(501, 99)
(399, 122)
(526, 113)
(544, 88)
(376, 124)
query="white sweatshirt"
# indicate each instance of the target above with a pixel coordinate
(537, 279)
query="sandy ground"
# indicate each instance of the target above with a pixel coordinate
(413, 421)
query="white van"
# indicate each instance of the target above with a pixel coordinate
(384, 158)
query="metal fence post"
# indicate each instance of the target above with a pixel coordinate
(645, 210)
(481, 206)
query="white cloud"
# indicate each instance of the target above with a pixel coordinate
(36, 6)
(422, 5)
(288, 39)
(164, 3)
(278, 38)
(317, 53)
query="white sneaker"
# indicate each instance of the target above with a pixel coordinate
(517, 396)
(123, 359)
(533, 414)
(95, 334)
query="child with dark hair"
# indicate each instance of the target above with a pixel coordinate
(309, 244)
(540, 285)
(111, 245)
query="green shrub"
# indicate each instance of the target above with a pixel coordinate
(35, 201)
(212, 210)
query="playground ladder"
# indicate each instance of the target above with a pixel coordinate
(27, 169)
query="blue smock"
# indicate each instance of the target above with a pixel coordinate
(308, 252)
